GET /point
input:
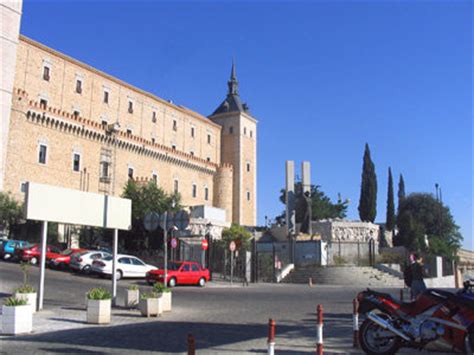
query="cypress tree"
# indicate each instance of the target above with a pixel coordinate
(368, 189)
(401, 189)
(390, 221)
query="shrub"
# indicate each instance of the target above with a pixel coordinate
(160, 288)
(12, 302)
(99, 294)
(132, 287)
(147, 295)
(25, 289)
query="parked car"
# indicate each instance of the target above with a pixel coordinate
(83, 261)
(32, 252)
(180, 272)
(127, 266)
(62, 260)
(7, 250)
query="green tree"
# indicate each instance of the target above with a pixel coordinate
(368, 189)
(148, 198)
(422, 216)
(11, 212)
(237, 234)
(321, 205)
(390, 221)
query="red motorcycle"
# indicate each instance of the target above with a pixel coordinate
(436, 320)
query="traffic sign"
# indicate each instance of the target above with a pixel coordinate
(232, 246)
(166, 220)
(181, 220)
(174, 243)
(204, 244)
(151, 221)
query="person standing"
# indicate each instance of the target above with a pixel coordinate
(416, 271)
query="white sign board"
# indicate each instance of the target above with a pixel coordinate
(61, 205)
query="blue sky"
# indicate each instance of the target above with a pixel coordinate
(322, 78)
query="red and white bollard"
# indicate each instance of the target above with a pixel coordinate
(355, 321)
(191, 345)
(271, 337)
(319, 334)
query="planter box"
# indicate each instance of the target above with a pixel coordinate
(131, 298)
(30, 298)
(166, 301)
(151, 307)
(17, 319)
(98, 311)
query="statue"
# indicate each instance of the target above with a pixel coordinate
(307, 209)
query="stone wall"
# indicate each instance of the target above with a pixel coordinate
(345, 230)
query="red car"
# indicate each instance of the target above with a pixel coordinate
(61, 260)
(180, 272)
(32, 252)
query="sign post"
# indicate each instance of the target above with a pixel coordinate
(47, 203)
(204, 246)
(232, 249)
(44, 236)
(114, 268)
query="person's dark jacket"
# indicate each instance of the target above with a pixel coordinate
(416, 272)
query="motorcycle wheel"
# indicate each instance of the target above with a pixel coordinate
(375, 340)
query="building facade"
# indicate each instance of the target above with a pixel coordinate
(74, 126)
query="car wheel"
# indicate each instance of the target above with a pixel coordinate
(202, 282)
(34, 260)
(118, 275)
(86, 269)
(62, 266)
(172, 282)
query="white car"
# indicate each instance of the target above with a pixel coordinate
(127, 266)
(83, 261)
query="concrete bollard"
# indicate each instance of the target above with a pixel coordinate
(271, 337)
(355, 322)
(319, 327)
(310, 282)
(191, 345)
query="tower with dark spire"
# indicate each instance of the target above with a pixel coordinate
(232, 102)
(239, 149)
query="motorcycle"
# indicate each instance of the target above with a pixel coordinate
(436, 320)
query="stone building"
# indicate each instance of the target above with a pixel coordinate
(74, 126)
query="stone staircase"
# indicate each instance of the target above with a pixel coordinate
(363, 276)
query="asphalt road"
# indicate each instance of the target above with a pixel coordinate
(222, 319)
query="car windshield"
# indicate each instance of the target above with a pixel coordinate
(28, 246)
(67, 252)
(107, 258)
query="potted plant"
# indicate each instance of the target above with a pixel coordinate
(99, 304)
(26, 292)
(17, 316)
(166, 295)
(131, 296)
(151, 304)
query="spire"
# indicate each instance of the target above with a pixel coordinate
(232, 102)
(233, 83)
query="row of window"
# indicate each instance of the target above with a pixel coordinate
(78, 90)
(231, 131)
(105, 171)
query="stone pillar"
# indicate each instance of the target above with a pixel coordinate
(223, 182)
(290, 198)
(306, 182)
(9, 36)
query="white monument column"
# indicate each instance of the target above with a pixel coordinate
(290, 198)
(9, 36)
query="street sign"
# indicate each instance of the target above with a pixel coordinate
(181, 220)
(174, 243)
(151, 221)
(232, 246)
(204, 244)
(166, 222)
